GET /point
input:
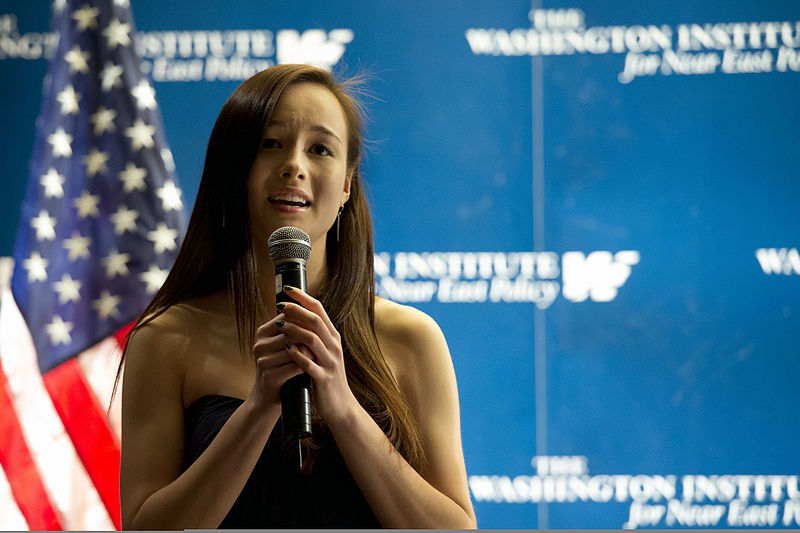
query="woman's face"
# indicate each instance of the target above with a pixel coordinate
(299, 176)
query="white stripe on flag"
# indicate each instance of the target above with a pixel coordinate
(99, 364)
(11, 518)
(63, 475)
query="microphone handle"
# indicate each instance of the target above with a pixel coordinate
(296, 392)
(296, 407)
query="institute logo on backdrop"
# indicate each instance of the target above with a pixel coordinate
(236, 54)
(653, 500)
(779, 261)
(701, 48)
(510, 277)
(200, 55)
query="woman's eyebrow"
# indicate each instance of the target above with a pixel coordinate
(326, 131)
(315, 128)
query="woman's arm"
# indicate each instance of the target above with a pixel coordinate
(154, 492)
(399, 496)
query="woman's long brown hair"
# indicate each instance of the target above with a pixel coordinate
(217, 254)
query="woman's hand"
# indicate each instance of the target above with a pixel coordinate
(273, 364)
(315, 346)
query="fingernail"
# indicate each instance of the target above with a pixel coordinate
(280, 323)
(288, 288)
(280, 306)
(288, 346)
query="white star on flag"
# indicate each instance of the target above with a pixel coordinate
(95, 162)
(36, 265)
(117, 34)
(106, 305)
(68, 99)
(122, 3)
(163, 238)
(145, 95)
(103, 120)
(52, 183)
(87, 205)
(170, 196)
(154, 278)
(68, 289)
(140, 134)
(169, 161)
(116, 264)
(86, 17)
(59, 5)
(110, 76)
(78, 60)
(45, 226)
(61, 142)
(132, 178)
(124, 220)
(77, 246)
(58, 330)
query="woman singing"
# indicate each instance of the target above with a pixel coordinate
(201, 437)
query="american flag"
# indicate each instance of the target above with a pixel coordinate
(100, 227)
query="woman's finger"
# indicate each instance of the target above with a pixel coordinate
(304, 318)
(268, 345)
(268, 329)
(312, 304)
(303, 358)
(302, 336)
(272, 377)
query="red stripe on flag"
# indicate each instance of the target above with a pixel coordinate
(122, 335)
(85, 422)
(23, 476)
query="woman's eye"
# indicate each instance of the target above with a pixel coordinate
(270, 143)
(321, 149)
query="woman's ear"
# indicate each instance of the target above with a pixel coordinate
(347, 181)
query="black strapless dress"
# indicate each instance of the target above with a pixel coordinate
(276, 495)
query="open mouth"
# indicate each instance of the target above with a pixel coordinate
(290, 200)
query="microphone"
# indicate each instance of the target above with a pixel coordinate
(289, 249)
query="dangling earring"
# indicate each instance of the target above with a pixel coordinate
(338, 220)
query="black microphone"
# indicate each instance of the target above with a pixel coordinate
(289, 249)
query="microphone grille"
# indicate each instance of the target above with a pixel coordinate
(289, 242)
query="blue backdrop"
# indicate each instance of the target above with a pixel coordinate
(597, 201)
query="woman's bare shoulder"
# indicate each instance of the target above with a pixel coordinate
(402, 323)
(173, 331)
(410, 339)
(182, 318)
(158, 345)
(167, 326)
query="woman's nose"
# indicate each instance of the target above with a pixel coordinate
(293, 166)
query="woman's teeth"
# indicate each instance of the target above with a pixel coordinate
(290, 199)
